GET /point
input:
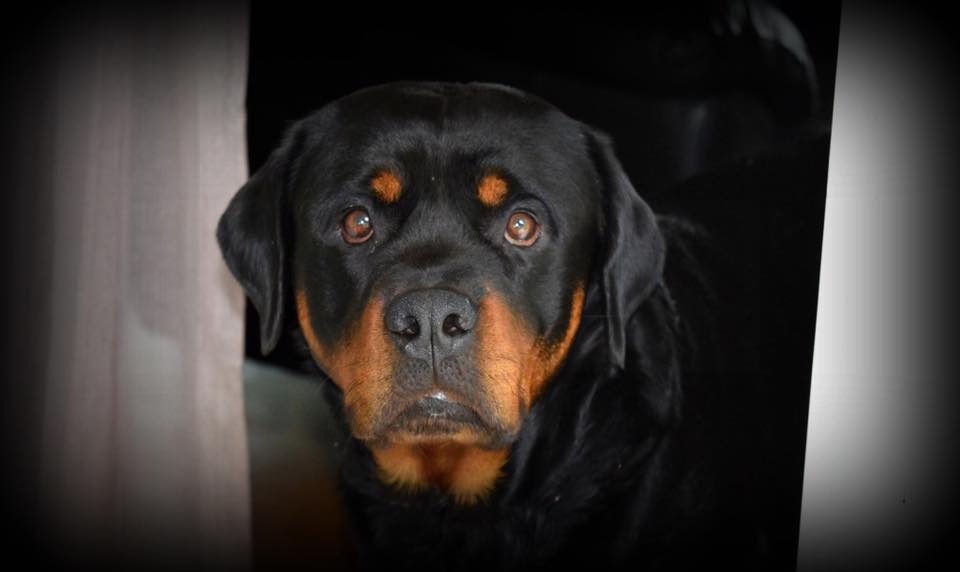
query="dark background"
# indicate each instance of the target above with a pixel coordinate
(717, 112)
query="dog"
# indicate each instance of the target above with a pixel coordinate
(510, 336)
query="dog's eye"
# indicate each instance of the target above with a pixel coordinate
(522, 229)
(356, 227)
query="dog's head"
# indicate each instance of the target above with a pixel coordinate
(436, 243)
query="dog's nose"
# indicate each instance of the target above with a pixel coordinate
(431, 324)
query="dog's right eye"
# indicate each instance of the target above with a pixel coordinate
(522, 229)
(356, 226)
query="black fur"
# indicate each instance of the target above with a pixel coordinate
(620, 463)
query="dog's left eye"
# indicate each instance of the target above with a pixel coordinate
(357, 226)
(522, 229)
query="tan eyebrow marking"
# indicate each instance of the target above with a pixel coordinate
(386, 186)
(492, 190)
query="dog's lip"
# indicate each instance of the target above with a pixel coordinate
(437, 409)
(439, 395)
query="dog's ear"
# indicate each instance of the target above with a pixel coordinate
(252, 237)
(634, 252)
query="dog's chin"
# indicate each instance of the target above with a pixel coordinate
(438, 419)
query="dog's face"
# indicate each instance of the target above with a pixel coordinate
(441, 250)
(437, 243)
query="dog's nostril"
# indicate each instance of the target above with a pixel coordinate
(411, 329)
(453, 325)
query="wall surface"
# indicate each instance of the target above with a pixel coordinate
(880, 479)
(125, 329)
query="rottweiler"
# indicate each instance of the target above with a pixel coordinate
(506, 330)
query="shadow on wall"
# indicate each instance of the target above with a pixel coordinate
(293, 471)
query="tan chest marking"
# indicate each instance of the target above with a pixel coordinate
(467, 473)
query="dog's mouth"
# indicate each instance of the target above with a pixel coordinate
(437, 413)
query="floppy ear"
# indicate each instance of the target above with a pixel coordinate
(634, 251)
(252, 239)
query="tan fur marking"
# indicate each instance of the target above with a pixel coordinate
(466, 473)
(306, 326)
(361, 365)
(514, 363)
(492, 191)
(503, 344)
(386, 186)
(550, 356)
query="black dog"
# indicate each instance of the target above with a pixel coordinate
(507, 331)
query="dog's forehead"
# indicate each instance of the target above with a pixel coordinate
(441, 123)
(442, 104)
(452, 118)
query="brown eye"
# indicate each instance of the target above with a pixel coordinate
(356, 227)
(522, 229)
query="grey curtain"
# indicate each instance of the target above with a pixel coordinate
(123, 395)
